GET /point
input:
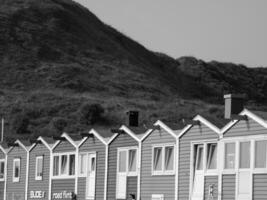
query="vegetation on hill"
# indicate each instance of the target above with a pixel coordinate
(62, 69)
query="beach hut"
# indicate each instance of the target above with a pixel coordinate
(39, 168)
(17, 170)
(244, 154)
(198, 174)
(123, 180)
(158, 162)
(92, 170)
(3, 160)
(64, 168)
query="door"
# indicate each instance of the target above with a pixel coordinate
(244, 182)
(121, 183)
(91, 176)
(198, 180)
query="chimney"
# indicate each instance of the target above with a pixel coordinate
(133, 118)
(234, 104)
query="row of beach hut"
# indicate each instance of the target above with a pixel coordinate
(201, 160)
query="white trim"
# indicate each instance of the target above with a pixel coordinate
(176, 187)
(129, 132)
(40, 138)
(3, 161)
(80, 165)
(76, 165)
(39, 177)
(16, 179)
(162, 125)
(94, 154)
(96, 134)
(5, 186)
(163, 171)
(50, 173)
(68, 138)
(27, 174)
(106, 172)
(139, 165)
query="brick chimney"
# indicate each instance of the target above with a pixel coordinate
(234, 104)
(133, 118)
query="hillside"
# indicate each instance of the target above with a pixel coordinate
(57, 58)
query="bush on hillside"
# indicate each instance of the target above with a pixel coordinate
(20, 123)
(59, 123)
(91, 113)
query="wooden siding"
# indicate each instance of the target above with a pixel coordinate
(228, 187)
(64, 146)
(211, 180)
(245, 128)
(131, 186)
(259, 186)
(39, 185)
(195, 133)
(94, 145)
(16, 189)
(122, 140)
(62, 186)
(155, 184)
(2, 189)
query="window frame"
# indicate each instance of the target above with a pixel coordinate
(263, 169)
(3, 161)
(163, 171)
(127, 149)
(39, 177)
(16, 179)
(60, 175)
(79, 165)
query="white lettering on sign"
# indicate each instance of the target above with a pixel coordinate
(37, 194)
(62, 195)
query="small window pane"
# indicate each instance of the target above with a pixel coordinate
(132, 160)
(72, 165)
(260, 154)
(17, 168)
(157, 159)
(93, 164)
(64, 165)
(199, 157)
(122, 161)
(2, 169)
(229, 156)
(39, 166)
(244, 161)
(82, 161)
(56, 166)
(169, 158)
(212, 156)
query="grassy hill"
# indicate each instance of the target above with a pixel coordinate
(57, 60)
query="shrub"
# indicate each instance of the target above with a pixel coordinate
(91, 113)
(59, 123)
(20, 123)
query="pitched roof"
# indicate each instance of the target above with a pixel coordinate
(219, 122)
(261, 114)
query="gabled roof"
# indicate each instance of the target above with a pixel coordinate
(257, 116)
(163, 126)
(203, 121)
(25, 144)
(47, 141)
(69, 139)
(104, 140)
(141, 131)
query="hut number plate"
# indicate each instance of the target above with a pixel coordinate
(37, 194)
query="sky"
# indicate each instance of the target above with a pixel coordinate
(222, 30)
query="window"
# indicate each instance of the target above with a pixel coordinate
(157, 159)
(169, 158)
(212, 156)
(244, 157)
(72, 165)
(260, 154)
(199, 157)
(127, 161)
(39, 168)
(229, 156)
(2, 169)
(16, 170)
(64, 165)
(163, 160)
(56, 166)
(82, 164)
(132, 160)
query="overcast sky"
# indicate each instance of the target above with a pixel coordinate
(223, 30)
